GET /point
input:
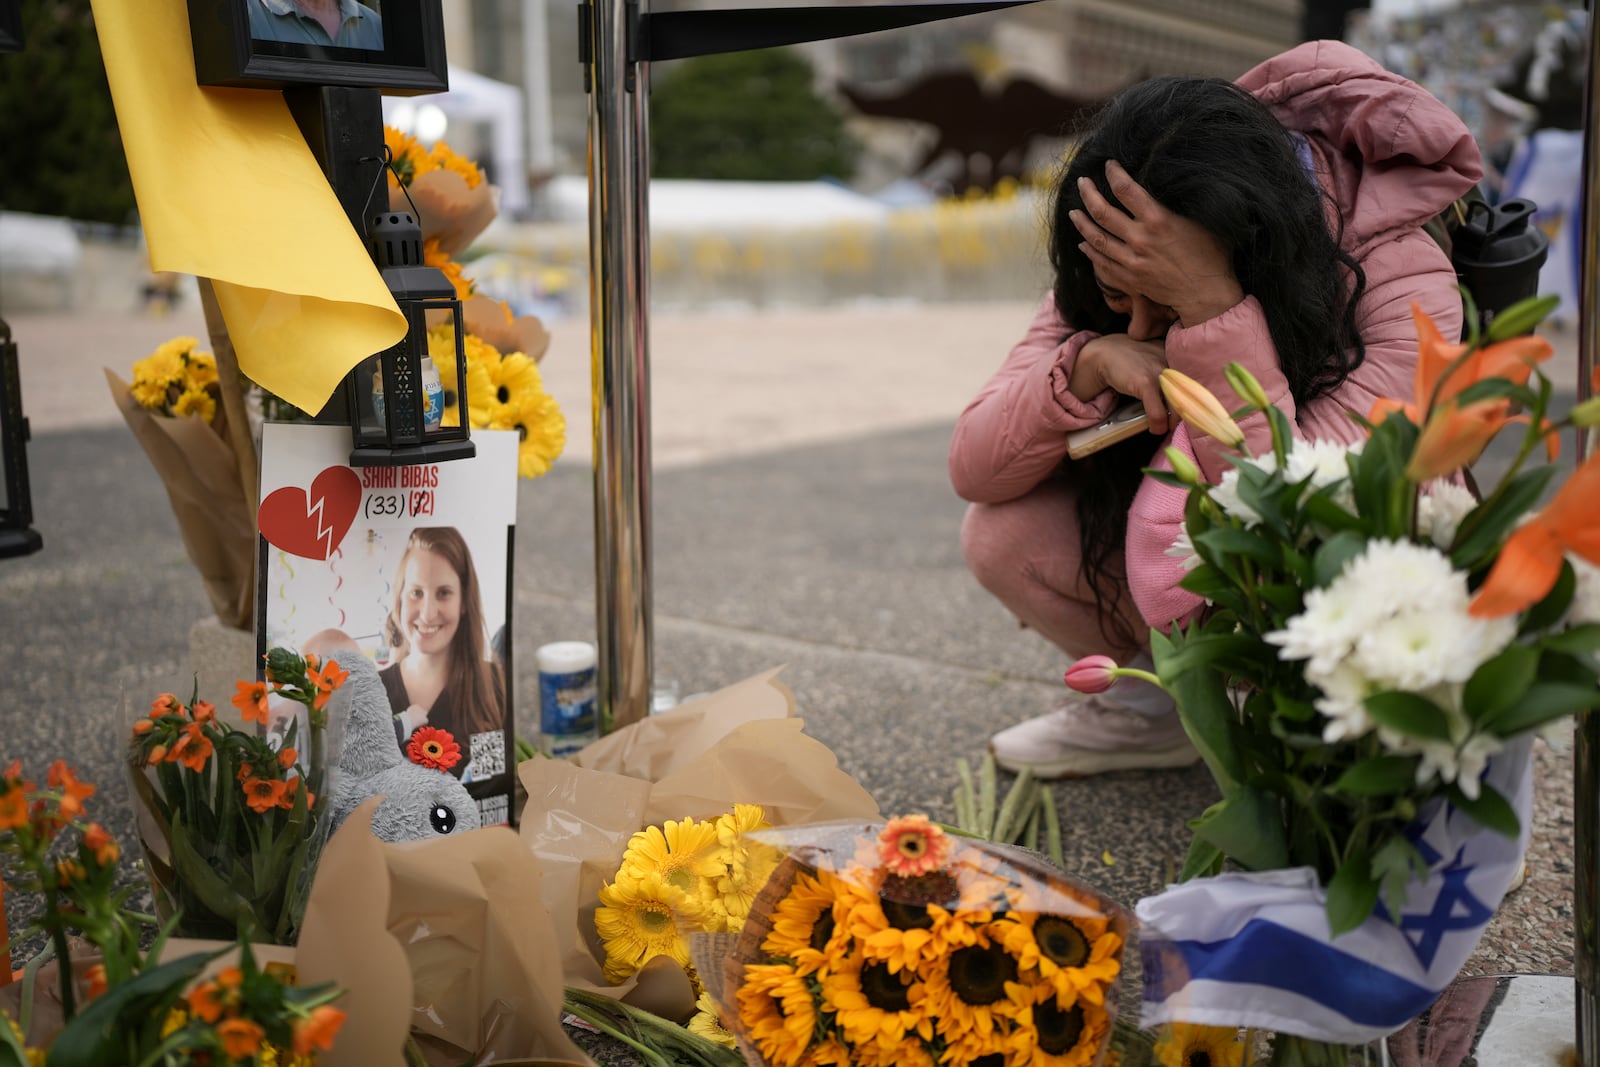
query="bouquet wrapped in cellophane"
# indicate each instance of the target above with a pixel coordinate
(895, 943)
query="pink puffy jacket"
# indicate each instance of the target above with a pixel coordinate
(1392, 156)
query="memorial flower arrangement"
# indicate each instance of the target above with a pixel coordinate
(231, 826)
(125, 1004)
(504, 392)
(1378, 645)
(177, 379)
(896, 943)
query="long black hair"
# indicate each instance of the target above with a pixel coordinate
(1209, 151)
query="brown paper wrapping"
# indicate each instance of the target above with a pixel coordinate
(739, 744)
(447, 208)
(217, 521)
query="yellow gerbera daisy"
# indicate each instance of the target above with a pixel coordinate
(638, 920)
(778, 1011)
(1063, 1036)
(150, 394)
(164, 366)
(708, 1023)
(480, 356)
(874, 1005)
(681, 851)
(804, 923)
(195, 402)
(1192, 1045)
(541, 432)
(200, 369)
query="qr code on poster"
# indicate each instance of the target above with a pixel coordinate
(493, 811)
(488, 755)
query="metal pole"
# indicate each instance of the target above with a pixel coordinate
(619, 361)
(541, 158)
(1586, 772)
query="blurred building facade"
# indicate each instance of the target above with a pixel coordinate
(1074, 46)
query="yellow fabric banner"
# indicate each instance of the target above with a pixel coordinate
(228, 190)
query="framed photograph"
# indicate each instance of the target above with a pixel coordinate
(413, 564)
(10, 25)
(396, 46)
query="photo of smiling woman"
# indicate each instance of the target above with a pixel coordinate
(442, 674)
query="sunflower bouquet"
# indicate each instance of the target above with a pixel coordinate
(127, 1004)
(876, 944)
(231, 824)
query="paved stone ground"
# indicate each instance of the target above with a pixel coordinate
(802, 517)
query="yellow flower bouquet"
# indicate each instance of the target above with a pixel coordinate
(875, 944)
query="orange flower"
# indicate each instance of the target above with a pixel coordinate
(286, 758)
(330, 677)
(910, 846)
(1196, 405)
(96, 977)
(102, 844)
(142, 727)
(230, 977)
(245, 771)
(192, 748)
(433, 748)
(290, 788)
(317, 1031)
(73, 792)
(264, 794)
(251, 700)
(70, 871)
(204, 1003)
(14, 771)
(1513, 360)
(13, 808)
(156, 754)
(241, 1038)
(1455, 437)
(1529, 564)
(203, 711)
(165, 704)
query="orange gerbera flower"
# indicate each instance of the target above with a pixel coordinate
(264, 794)
(204, 1002)
(1529, 564)
(251, 700)
(192, 748)
(910, 846)
(318, 1030)
(241, 1038)
(102, 844)
(73, 792)
(433, 748)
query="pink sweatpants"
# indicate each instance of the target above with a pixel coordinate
(1027, 553)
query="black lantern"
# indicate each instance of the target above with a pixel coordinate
(400, 412)
(16, 501)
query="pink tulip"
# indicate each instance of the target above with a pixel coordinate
(1092, 674)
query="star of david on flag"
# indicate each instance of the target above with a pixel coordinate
(1252, 949)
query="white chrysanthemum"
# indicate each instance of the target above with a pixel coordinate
(1440, 511)
(1399, 576)
(1461, 763)
(1226, 494)
(1183, 549)
(1585, 607)
(1326, 463)
(1414, 650)
(1327, 629)
(1343, 702)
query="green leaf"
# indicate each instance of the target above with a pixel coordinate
(1379, 776)
(1321, 508)
(1232, 541)
(1490, 810)
(1547, 612)
(1543, 702)
(1166, 478)
(1352, 894)
(1497, 389)
(1334, 553)
(1395, 863)
(1413, 715)
(1203, 860)
(1580, 639)
(1520, 318)
(12, 1052)
(1204, 710)
(1487, 525)
(1248, 827)
(1208, 582)
(1500, 682)
(198, 878)
(95, 1035)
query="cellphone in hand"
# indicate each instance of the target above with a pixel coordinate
(1122, 424)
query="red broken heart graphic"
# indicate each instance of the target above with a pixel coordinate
(311, 524)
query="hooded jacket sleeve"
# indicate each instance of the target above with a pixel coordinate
(1014, 432)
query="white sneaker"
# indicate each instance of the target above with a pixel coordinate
(1087, 735)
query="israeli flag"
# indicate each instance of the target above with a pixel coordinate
(1252, 949)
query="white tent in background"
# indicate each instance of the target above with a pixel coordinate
(474, 98)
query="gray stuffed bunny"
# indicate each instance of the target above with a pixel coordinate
(419, 802)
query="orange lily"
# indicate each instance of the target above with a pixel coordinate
(1196, 405)
(1455, 437)
(241, 1038)
(1529, 564)
(318, 1030)
(1513, 360)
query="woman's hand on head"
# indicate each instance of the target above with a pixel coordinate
(1144, 248)
(1124, 365)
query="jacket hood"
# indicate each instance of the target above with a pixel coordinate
(1393, 154)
